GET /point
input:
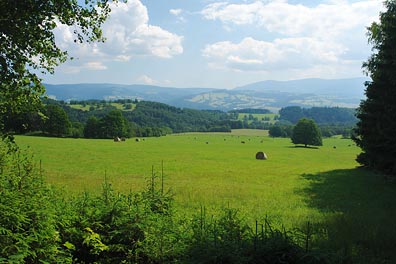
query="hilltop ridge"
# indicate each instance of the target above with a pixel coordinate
(266, 94)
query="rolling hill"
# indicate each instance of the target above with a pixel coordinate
(267, 94)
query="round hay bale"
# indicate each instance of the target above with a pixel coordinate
(261, 155)
(137, 140)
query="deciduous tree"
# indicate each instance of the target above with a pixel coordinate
(306, 132)
(27, 44)
(113, 124)
(57, 122)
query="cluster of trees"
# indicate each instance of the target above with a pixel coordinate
(305, 132)
(152, 114)
(147, 119)
(282, 129)
(110, 126)
(151, 119)
(114, 124)
(330, 120)
(321, 115)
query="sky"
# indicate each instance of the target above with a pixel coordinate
(222, 44)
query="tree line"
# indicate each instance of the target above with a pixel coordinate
(321, 115)
(104, 120)
(330, 120)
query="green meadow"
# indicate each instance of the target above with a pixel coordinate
(87, 107)
(295, 185)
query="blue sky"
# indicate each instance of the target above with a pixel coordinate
(222, 44)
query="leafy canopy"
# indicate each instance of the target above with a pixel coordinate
(375, 132)
(57, 122)
(27, 44)
(306, 132)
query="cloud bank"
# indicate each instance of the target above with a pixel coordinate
(128, 34)
(327, 37)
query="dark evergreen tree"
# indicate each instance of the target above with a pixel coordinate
(375, 132)
(306, 132)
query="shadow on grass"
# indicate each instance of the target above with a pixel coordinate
(362, 214)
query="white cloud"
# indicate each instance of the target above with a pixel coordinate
(74, 68)
(288, 19)
(329, 37)
(147, 80)
(95, 65)
(128, 34)
(178, 13)
(175, 12)
(281, 54)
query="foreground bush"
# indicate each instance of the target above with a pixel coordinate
(28, 229)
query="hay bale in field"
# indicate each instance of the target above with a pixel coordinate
(123, 139)
(243, 142)
(117, 139)
(137, 140)
(261, 155)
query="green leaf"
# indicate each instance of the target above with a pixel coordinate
(69, 245)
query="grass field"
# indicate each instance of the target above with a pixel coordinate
(293, 186)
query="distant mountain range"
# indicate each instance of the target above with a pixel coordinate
(271, 95)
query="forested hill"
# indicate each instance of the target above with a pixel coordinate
(152, 114)
(129, 118)
(271, 95)
(321, 115)
(146, 114)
